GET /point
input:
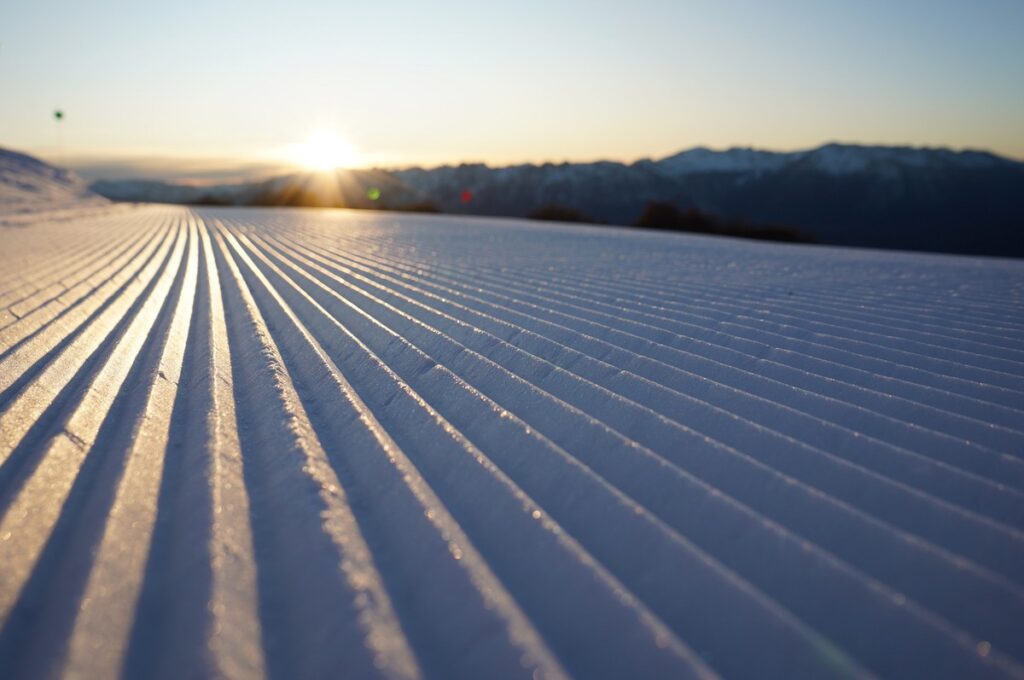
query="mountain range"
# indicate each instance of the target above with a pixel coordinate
(932, 199)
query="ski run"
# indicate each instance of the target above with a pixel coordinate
(329, 444)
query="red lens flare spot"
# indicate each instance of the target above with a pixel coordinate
(467, 195)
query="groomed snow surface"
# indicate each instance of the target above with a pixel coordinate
(328, 444)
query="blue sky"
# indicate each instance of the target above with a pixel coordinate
(191, 85)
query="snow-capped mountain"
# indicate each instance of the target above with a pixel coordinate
(702, 159)
(840, 159)
(894, 197)
(28, 184)
(834, 159)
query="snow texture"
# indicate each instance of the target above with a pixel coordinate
(308, 444)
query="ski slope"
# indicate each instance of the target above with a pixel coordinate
(309, 444)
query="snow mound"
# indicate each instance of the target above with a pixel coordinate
(28, 184)
(314, 444)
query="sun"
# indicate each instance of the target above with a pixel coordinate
(324, 150)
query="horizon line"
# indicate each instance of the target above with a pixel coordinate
(170, 168)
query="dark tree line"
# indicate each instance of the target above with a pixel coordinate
(669, 217)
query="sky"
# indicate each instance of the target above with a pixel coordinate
(212, 89)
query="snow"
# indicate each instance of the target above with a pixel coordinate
(702, 159)
(833, 159)
(29, 185)
(324, 443)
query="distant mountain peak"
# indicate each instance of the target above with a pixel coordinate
(834, 158)
(735, 159)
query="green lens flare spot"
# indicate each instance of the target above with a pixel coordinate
(373, 194)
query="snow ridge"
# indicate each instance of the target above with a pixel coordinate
(313, 444)
(28, 185)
